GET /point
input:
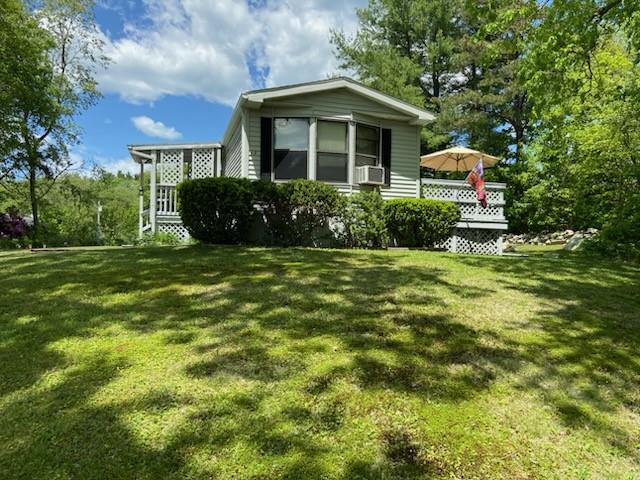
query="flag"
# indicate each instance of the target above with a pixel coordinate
(476, 180)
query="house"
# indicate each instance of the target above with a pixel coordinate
(337, 131)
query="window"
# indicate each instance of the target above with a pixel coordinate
(367, 145)
(332, 158)
(291, 148)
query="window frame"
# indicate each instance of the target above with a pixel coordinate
(378, 156)
(318, 151)
(274, 119)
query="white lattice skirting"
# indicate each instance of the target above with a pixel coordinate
(176, 229)
(474, 240)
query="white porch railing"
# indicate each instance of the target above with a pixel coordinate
(166, 200)
(461, 192)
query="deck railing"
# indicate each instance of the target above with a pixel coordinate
(166, 200)
(461, 192)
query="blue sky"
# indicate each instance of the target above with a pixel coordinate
(178, 66)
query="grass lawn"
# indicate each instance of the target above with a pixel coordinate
(196, 362)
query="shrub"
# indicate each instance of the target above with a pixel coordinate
(620, 235)
(216, 210)
(363, 221)
(314, 204)
(12, 225)
(14, 229)
(159, 239)
(420, 222)
(276, 207)
(297, 212)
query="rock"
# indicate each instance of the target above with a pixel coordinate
(592, 231)
(575, 242)
(508, 248)
(569, 233)
(535, 240)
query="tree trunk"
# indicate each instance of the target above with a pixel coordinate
(33, 197)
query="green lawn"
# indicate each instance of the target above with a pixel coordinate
(197, 362)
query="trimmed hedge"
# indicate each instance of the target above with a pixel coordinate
(420, 222)
(304, 212)
(217, 210)
(363, 221)
(297, 212)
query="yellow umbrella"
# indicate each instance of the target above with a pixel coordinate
(457, 159)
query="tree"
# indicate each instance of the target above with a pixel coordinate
(44, 113)
(459, 58)
(585, 159)
(24, 74)
(406, 49)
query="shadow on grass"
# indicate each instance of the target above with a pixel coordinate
(260, 316)
(587, 361)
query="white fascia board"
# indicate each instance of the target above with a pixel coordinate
(421, 117)
(235, 118)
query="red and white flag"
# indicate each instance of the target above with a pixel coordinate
(476, 180)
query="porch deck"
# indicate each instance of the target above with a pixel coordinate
(480, 229)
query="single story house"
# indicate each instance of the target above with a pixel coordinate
(336, 130)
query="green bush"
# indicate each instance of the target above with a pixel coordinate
(275, 204)
(217, 210)
(159, 239)
(315, 204)
(363, 221)
(420, 222)
(297, 212)
(620, 235)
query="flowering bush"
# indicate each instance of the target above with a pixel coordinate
(12, 225)
(13, 229)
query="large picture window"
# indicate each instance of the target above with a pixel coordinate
(367, 145)
(332, 158)
(291, 145)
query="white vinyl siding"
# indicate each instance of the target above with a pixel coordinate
(233, 162)
(343, 104)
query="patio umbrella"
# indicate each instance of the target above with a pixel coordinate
(456, 159)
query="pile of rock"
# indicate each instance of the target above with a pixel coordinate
(569, 238)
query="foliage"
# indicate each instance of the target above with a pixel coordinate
(314, 204)
(12, 225)
(456, 57)
(620, 236)
(277, 210)
(297, 212)
(363, 221)
(420, 222)
(217, 210)
(584, 161)
(308, 364)
(53, 84)
(159, 239)
(69, 212)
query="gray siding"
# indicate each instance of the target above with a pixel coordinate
(405, 153)
(233, 162)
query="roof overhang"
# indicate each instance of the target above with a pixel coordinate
(255, 99)
(141, 152)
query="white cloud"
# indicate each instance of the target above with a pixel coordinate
(150, 127)
(124, 165)
(204, 48)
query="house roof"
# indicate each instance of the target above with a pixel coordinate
(255, 98)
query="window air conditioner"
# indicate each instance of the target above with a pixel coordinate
(370, 175)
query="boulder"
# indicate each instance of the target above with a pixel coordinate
(591, 231)
(575, 242)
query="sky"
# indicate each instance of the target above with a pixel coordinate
(178, 66)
